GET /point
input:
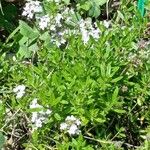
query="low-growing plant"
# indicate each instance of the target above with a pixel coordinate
(68, 82)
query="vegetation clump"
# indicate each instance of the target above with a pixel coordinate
(75, 75)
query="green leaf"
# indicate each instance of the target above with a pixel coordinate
(66, 1)
(116, 79)
(95, 8)
(86, 6)
(57, 116)
(34, 47)
(102, 67)
(94, 11)
(27, 31)
(45, 36)
(12, 34)
(64, 102)
(23, 40)
(119, 111)
(100, 2)
(100, 120)
(23, 52)
(115, 94)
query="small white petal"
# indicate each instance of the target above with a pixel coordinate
(52, 27)
(106, 23)
(38, 123)
(44, 22)
(20, 95)
(73, 129)
(78, 122)
(63, 126)
(34, 117)
(48, 112)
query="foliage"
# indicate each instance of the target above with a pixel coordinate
(100, 89)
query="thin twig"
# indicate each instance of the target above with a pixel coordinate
(9, 120)
(97, 140)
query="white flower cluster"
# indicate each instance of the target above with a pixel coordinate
(67, 13)
(88, 30)
(32, 7)
(19, 90)
(58, 33)
(44, 22)
(63, 24)
(71, 125)
(40, 117)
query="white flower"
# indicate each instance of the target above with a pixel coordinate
(82, 24)
(95, 33)
(34, 104)
(88, 30)
(62, 41)
(73, 130)
(85, 36)
(106, 23)
(58, 19)
(14, 58)
(31, 7)
(66, 11)
(44, 22)
(78, 122)
(71, 125)
(52, 27)
(19, 90)
(19, 95)
(48, 112)
(63, 126)
(40, 117)
(70, 118)
(34, 117)
(58, 44)
(38, 123)
(72, 11)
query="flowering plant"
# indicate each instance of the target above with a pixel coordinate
(53, 23)
(71, 81)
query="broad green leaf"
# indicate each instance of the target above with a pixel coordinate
(23, 40)
(100, 2)
(94, 11)
(34, 47)
(45, 36)
(23, 52)
(86, 6)
(27, 31)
